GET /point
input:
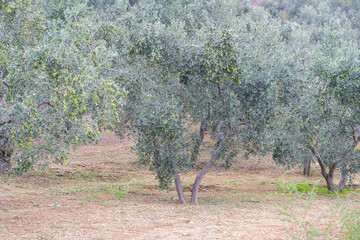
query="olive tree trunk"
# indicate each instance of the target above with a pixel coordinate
(209, 164)
(343, 180)
(198, 179)
(5, 154)
(329, 176)
(179, 188)
(4, 164)
(330, 182)
(196, 150)
(307, 168)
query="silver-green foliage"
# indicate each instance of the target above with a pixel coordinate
(216, 67)
(55, 92)
(322, 120)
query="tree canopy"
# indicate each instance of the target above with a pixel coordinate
(55, 90)
(278, 77)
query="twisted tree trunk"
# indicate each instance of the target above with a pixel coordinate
(343, 181)
(179, 188)
(329, 177)
(5, 154)
(307, 168)
(209, 164)
(199, 177)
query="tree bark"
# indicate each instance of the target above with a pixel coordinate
(179, 188)
(342, 182)
(330, 183)
(200, 176)
(329, 177)
(4, 165)
(5, 154)
(202, 129)
(196, 150)
(198, 179)
(307, 168)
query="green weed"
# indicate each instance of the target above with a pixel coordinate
(87, 175)
(351, 225)
(120, 193)
(305, 187)
(262, 183)
(234, 183)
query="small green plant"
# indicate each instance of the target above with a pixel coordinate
(66, 192)
(296, 187)
(234, 183)
(88, 175)
(306, 224)
(147, 193)
(338, 221)
(323, 190)
(105, 189)
(55, 205)
(351, 225)
(120, 193)
(305, 187)
(264, 182)
(3, 209)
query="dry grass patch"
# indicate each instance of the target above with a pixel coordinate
(104, 195)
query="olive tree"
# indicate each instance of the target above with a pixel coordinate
(161, 140)
(232, 88)
(55, 92)
(218, 71)
(323, 122)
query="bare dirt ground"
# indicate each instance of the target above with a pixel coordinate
(104, 195)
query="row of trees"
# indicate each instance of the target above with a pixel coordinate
(276, 78)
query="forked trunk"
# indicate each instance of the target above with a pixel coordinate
(200, 176)
(330, 183)
(329, 176)
(196, 186)
(179, 188)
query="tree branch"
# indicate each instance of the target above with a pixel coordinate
(219, 126)
(195, 46)
(6, 122)
(6, 84)
(353, 133)
(45, 103)
(356, 134)
(320, 160)
(342, 122)
(218, 129)
(244, 123)
(332, 169)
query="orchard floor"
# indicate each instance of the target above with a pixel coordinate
(104, 195)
